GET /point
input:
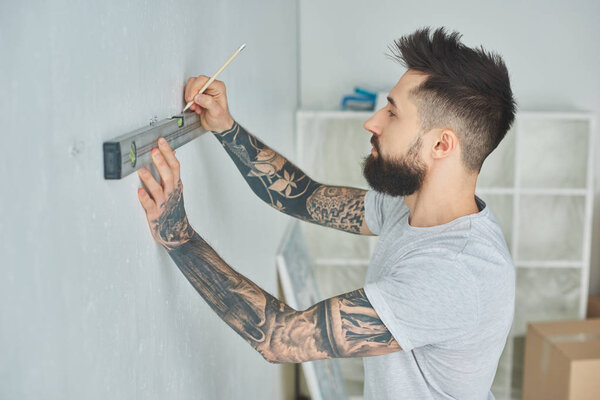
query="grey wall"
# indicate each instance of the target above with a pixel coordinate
(90, 306)
(551, 48)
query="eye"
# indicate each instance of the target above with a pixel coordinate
(391, 113)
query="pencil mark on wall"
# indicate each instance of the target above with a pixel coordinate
(76, 148)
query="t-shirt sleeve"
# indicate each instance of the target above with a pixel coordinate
(426, 299)
(374, 210)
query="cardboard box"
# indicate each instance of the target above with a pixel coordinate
(562, 360)
(593, 308)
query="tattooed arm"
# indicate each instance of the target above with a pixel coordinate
(274, 179)
(286, 188)
(341, 326)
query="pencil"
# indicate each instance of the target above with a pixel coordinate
(207, 84)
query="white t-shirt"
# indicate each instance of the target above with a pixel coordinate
(446, 293)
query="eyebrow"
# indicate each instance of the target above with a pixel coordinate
(392, 102)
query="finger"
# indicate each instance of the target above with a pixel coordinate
(208, 102)
(216, 88)
(164, 170)
(219, 85)
(156, 191)
(169, 156)
(148, 204)
(193, 87)
(188, 88)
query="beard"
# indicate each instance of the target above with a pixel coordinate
(396, 177)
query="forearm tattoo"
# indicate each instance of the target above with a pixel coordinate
(244, 306)
(343, 326)
(286, 188)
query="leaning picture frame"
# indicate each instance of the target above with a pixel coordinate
(295, 266)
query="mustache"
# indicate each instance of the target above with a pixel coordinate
(374, 143)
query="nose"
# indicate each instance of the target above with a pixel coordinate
(371, 126)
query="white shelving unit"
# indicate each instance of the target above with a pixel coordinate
(538, 183)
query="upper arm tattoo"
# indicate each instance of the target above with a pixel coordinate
(353, 327)
(341, 326)
(337, 207)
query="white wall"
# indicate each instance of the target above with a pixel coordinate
(90, 306)
(551, 48)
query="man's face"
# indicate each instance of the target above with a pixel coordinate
(395, 165)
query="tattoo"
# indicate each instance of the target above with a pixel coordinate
(338, 327)
(343, 326)
(360, 332)
(339, 207)
(171, 228)
(245, 307)
(286, 188)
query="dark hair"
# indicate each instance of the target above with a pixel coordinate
(467, 90)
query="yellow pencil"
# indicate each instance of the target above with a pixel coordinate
(207, 84)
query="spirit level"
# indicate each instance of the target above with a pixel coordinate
(131, 151)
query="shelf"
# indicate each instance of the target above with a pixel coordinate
(498, 169)
(554, 152)
(550, 228)
(333, 150)
(538, 185)
(545, 294)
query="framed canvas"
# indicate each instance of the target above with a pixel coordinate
(294, 264)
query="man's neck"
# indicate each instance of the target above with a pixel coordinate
(437, 206)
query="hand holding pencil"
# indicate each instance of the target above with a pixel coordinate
(212, 106)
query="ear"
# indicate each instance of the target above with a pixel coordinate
(445, 142)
